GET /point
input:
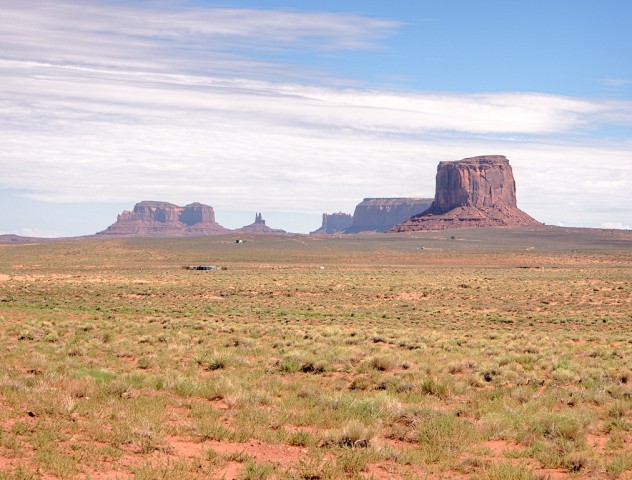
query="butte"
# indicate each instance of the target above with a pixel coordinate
(473, 192)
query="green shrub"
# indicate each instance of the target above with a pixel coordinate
(300, 439)
(354, 434)
(553, 425)
(443, 436)
(353, 461)
(382, 363)
(432, 386)
(257, 471)
(218, 360)
(619, 463)
(505, 471)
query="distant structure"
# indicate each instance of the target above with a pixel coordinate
(151, 218)
(259, 227)
(373, 215)
(380, 214)
(473, 192)
(334, 223)
(202, 267)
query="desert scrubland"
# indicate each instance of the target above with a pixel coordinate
(478, 353)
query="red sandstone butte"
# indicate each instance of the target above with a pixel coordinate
(150, 218)
(473, 192)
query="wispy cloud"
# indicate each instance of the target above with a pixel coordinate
(614, 82)
(151, 37)
(107, 102)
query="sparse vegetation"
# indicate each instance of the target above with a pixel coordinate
(391, 362)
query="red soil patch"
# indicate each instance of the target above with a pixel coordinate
(552, 473)
(185, 448)
(110, 475)
(389, 469)
(7, 463)
(284, 455)
(500, 446)
(220, 404)
(231, 471)
(597, 442)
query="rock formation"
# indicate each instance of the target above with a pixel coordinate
(12, 238)
(165, 219)
(380, 214)
(473, 192)
(334, 223)
(259, 227)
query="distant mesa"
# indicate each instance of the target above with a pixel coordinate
(381, 214)
(334, 223)
(149, 218)
(12, 238)
(473, 192)
(373, 215)
(259, 227)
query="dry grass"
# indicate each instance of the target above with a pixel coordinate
(469, 358)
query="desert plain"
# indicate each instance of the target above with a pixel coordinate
(476, 353)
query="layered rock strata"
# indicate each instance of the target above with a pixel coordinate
(380, 214)
(149, 218)
(473, 192)
(334, 223)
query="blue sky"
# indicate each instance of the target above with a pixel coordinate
(295, 108)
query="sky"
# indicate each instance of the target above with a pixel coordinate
(295, 108)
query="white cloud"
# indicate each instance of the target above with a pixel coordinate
(616, 225)
(35, 232)
(161, 38)
(99, 104)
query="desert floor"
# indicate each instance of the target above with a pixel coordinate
(482, 354)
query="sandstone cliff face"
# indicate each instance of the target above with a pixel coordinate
(473, 192)
(334, 223)
(380, 214)
(479, 181)
(197, 213)
(259, 227)
(150, 218)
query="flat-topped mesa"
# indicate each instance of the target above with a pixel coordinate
(149, 218)
(150, 211)
(380, 214)
(473, 192)
(334, 223)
